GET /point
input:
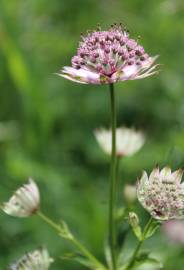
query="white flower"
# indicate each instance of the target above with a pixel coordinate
(128, 141)
(24, 202)
(36, 260)
(162, 193)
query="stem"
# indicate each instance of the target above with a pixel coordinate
(117, 178)
(75, 242)
(112, 230)
(133, 259)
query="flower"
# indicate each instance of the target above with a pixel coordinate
(162, 194)
(128, 141)
(24, 202)
(108, 57)
(36, 260)
(174, 230)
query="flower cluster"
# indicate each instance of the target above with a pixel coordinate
(128, 141)
(36, 260)
(108, 57)
(162, 193)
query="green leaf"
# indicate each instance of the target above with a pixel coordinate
(144, 257)
(152, 229)
(80, 259)
(108, 255)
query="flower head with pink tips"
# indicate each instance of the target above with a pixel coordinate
(108, 57)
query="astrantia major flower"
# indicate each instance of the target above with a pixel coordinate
(24, 202)
(36, 260)
(108, 57)
(128, 141)
(162, 193)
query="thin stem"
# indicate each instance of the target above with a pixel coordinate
(75, 242)
(112, 229)
(87, 253)
(133, 259)
(49, 221)
(117, 177)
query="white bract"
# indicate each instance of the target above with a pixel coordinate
(36, 260)
(24, 202)
(128, 141)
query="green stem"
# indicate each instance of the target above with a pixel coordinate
(133, 258)
(112, 229)
(117, 178)
(75, 242)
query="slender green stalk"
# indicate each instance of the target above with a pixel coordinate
(49, 221)
(75, 242)
(133, 258)
(117, 177)
(112, 229)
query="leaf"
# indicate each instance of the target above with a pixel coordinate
(152, 229)
(80, 259)
(144, 257)
(108, 255)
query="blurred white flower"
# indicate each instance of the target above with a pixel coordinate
(171, 7)
(174, 230)
(36, 260)
(24, 202)
(162, 193)
(128, 141)
(130, 193)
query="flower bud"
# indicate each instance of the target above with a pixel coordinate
(133, 219)
(134, 222)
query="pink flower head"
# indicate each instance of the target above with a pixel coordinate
(108, 57)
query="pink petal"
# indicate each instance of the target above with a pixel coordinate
(80, 75)
(128, 72)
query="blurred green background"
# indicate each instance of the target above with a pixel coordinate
(47, 122)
